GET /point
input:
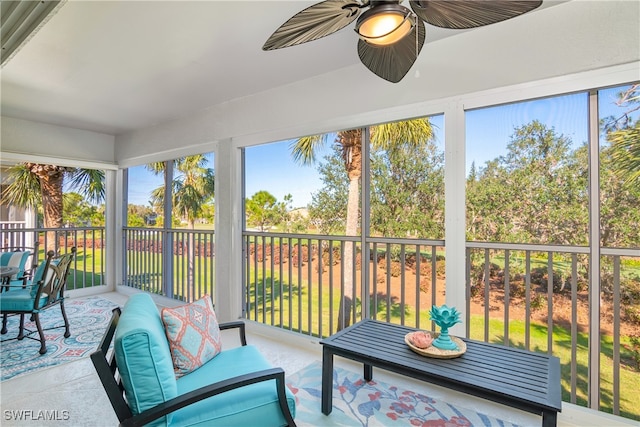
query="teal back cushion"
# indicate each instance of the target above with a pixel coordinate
(143, 356)
(16, 259)
(37, 276)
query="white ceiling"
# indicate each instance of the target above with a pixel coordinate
(117, 66)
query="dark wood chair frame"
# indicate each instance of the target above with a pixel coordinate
(104, 362)
(54, 286)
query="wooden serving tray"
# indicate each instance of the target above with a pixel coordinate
(435, 352)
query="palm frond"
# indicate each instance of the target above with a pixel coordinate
(23, 187)
(625, 144)
(156, 167)
(89, 182)
(304, 149)
(412, 132)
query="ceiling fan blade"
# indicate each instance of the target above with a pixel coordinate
(393, 62)
(460, 14)
(314, 22)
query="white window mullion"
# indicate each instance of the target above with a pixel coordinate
(594, 256)
(455, 212)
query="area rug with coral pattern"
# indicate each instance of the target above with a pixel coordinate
(360, 403)
(88, 320)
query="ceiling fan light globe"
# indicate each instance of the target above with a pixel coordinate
(385, 25)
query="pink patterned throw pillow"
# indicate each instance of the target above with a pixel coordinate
(193, 333)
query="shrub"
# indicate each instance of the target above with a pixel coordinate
(630, 290)
(632, 314)
(476, 290)
(540, 277)
(395, 270)
(538, 302)
(581, 285)
(516, 290)
(334, 259)
(494, 270)
(634, 349)
(425, 268)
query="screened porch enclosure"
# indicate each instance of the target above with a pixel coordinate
(553, 298)
(513, 208)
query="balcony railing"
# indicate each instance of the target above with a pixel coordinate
(536, 297)
(527, 296)
(186, 275)
(88, 266)
(296, 282)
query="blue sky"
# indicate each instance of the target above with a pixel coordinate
(271, 167)
(141, 183)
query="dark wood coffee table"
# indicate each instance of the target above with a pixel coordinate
(518, 378)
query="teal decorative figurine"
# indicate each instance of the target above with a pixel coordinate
(445, 317)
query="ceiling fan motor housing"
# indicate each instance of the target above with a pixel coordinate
(385, 23)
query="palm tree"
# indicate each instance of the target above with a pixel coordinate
(31, 185)
(192, 188)
(412, 132)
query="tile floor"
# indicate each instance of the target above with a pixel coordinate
(73, 392)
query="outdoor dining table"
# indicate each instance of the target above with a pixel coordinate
(5, 276)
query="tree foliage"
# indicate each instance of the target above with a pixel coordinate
(407, 191)
(78, 212)
(328, 207)
(535, 193)
(264, 211)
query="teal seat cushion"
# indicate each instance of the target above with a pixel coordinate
(254, 405)
(143, 356)
(16, 283)
(20, 300)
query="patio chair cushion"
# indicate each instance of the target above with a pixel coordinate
(254, 405)
(146, 369)
(143, 356)
(193, 333)
(17, 259)
(37, 276)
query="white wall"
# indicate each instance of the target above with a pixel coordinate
(23, 140)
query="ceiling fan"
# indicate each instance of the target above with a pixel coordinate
(391, 35)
